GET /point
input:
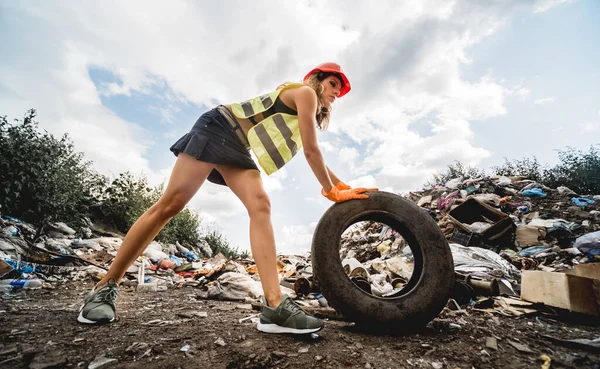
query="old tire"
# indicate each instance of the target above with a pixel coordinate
(430, 286)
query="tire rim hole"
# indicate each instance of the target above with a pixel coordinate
(380, 255)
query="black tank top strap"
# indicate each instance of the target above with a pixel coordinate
(277, 107)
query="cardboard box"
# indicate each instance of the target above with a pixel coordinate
(574, 292)
(528, 235)
(5, 268)
(590, 271)
(501, 230)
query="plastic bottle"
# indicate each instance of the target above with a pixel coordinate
(190, 256)
(22, 283)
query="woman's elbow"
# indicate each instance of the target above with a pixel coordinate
(311, 152)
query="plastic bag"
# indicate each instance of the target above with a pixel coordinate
(504, 181)
(454, 183)
(582, 202)
(484, 263)
(478, 227)
(589, 244)
(531, 251)
(534, 192)
(154, 252)
(565, 190)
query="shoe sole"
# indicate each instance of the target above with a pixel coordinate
(84, 320)
(274, 328)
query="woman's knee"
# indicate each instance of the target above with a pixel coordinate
(260, 204)
(170, 205)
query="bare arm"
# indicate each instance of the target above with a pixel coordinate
(334, 179)
(306, 103)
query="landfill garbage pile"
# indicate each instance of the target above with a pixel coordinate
(63, 253)
(528, 224)
(498, 228)
(376, 258)
(508, 233)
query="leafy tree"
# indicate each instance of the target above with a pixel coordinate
(184, 227)
(42, 178)
(580, 171)
(529, 168)
(218, 243)
(125, 200)
(455, 170)
(128, 197)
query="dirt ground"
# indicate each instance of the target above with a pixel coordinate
(38, 329)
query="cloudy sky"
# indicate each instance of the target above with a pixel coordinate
(433, 82)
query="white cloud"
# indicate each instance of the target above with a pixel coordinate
(520, 91)
(274, 182)
(297, 239)
(544, 100)
(365, 181)
(523, 92)
(589, 127)
(545, 5)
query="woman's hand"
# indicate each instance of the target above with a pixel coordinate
(337, 195)
(342, 186)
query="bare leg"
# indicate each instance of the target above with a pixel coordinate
(247, 186)
(186, 178)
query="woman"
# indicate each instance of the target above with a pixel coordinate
(275, 126)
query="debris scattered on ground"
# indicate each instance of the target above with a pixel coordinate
(520, 249)
(497, 228)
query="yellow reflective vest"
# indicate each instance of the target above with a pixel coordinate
(276, 139)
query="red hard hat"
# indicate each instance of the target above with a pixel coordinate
(333, 68)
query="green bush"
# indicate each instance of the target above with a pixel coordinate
(455, 170)
(128, 197)
(577, 170)
(125, 200)
(580, 171)
(42, 178)
(528, 168)
(183, 228)
(218, 243)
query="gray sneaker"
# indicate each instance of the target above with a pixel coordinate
(288, 317)
(99, 306)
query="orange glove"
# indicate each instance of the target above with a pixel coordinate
(342, 186)
(336, 195)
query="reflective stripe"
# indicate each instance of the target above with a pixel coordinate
(268, 144)
(247, 106)
(257, 106)
(260, 103)
(266, 101)
(276, 138)
(286, 132)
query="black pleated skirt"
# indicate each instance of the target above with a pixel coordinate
(212, 140)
